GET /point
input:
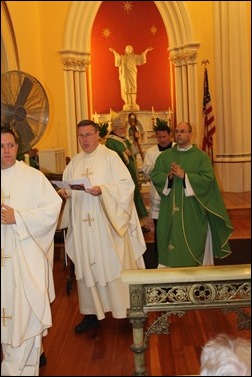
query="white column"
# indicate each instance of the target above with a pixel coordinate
(184, 59)
(74, 65)
(84, 95)
(70, 113)
(233, 95)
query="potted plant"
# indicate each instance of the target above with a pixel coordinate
(103, 129)
(159, 122)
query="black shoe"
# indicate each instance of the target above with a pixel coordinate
(42, 360)
(145, 229)
(90, 321)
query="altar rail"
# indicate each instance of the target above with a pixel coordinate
(175, 290)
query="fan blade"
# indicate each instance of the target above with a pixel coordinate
(24, 92)
(24, 107)
(25, 132)
(6, 113)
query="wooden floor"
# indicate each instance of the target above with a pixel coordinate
(105, 351)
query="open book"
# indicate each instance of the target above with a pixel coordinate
(74, 184)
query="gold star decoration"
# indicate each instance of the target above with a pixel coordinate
(127, 5)
(106, 32)
(153, 29)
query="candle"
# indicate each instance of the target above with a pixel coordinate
(152, 110)
(110, 114)
(169, 114)
(96, 118)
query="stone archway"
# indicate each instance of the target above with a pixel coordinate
(9, 53)
(76, 58)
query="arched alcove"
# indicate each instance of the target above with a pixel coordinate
(9, 53)
(75, 57)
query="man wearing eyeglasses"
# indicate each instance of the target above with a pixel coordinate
(193, 225)
(104, 234)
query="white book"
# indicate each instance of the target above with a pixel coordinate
(74, 184)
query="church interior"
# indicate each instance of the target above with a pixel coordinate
(65, 49)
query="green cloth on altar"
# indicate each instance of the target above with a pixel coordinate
(123, 147)
(183, 220)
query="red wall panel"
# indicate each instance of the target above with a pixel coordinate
(129, 27)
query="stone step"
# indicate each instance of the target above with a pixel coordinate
(239, 213)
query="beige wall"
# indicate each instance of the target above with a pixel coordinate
(39, 31)
(201, 17)
(40, 28)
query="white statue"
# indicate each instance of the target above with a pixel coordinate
(127, 64)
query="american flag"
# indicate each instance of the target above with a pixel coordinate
(209, 126)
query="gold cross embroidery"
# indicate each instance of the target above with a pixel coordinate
(87, 173)
(88, 219)
(174, 208)
(170, 247)
(4, 317)
(4, 196)
(3, 257)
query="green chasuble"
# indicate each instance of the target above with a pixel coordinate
(183, 220)
(123, 147)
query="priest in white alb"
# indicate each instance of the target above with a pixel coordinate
(29, 213)
(104, 235)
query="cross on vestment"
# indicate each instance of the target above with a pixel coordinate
(174, 208)
(4, 196)
(4, 317)
(88, 219)
(170, 247)
(3, 257)
(87, 173)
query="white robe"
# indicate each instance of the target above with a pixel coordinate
(112, 240)
(148, 165)
(149, 162)
(26, 272)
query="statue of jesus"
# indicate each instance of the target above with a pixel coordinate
(127, 64)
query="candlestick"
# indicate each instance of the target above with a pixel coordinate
(96, 120)
(169, 114)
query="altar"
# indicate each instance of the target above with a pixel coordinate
(146, 118)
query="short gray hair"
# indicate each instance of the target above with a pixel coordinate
(119, 121)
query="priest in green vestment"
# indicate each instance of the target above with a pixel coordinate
(193, 225)
(118, 142)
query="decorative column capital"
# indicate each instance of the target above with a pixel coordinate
(74, 60)
(184, 55)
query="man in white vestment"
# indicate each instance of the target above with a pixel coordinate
(163, 135)
(30, 208)
(104, 235)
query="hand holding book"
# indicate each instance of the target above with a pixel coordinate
(75, 184)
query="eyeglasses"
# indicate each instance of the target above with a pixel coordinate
(182, 132)
(87, 135)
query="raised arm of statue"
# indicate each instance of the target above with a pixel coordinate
(127, 64)
(147, 50)
(112, 50)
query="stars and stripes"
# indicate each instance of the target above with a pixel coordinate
(209, 125)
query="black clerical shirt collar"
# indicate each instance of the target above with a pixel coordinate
(164, 148)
